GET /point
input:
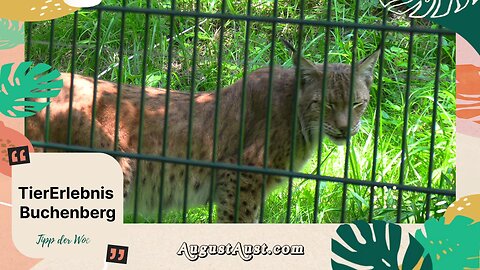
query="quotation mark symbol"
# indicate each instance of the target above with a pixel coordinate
(18, 155)
(117, 254)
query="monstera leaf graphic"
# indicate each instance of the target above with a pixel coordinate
(374, 250)
(424, 8)
(11, 34)
(460, 16)
(38, 82)
(452, 246)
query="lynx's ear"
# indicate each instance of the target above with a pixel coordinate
(365, 66)
(307, 67)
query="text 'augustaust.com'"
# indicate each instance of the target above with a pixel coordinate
(245, 251)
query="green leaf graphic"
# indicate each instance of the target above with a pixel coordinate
(427, 8)
(38, 82)
(461, 17)
(452, 246)
(413, 250)
(11, 34)
(375, 251)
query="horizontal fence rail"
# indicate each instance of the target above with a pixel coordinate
(252, 18)
(244, 168)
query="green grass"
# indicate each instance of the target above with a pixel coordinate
(340, 44)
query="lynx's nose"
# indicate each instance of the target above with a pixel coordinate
(343, 130)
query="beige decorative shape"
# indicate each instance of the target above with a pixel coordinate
(82, 3)
(35, 10)
(468, 206)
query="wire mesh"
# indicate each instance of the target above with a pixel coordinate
(171, 13)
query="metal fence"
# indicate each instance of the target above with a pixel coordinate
(37, 46)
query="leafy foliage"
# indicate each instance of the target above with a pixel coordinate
(11, 34)
(38, 82)
(376, 252)
(453, 246)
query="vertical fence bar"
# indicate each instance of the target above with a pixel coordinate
(243, 104)
(51, 42)
(72, 73)
(350, 109)
(213, 180)
(95, 77)
(322, 112)
(167, 105)
(119, 79)
(378, 111)
(434, 121)
(405, 123)
(190, 114)
(298, 81)
(50, 62)
(28, 53)
(142, 110)
(269, 110)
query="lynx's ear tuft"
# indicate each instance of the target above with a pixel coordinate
(288, 45)
(365, 66)
(307, 67)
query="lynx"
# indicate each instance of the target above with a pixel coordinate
(199, 178)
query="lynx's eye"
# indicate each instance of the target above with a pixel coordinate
(358, 104)
(329, 106)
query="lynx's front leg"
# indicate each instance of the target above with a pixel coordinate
(249, 199)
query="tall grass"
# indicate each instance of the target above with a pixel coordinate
(340, 45)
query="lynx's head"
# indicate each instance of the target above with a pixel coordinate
(335, 124)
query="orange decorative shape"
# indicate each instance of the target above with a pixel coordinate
(10, 138)
(468, 78)
(35, 10)
(468, 206)
(467, 112)
(468, 92)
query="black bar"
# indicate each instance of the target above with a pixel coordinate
(142, 110)
(213, 179)
(50, 62)
(119, 80)
(405, 124)
(269, 110)
(167, 101)
(298, 81)
(322, 113)
(190, 118)
(241, 135)
(72, 74)
(434, 121)
(28, 53)
(378, 111)
(350, 109)
(95, 78)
